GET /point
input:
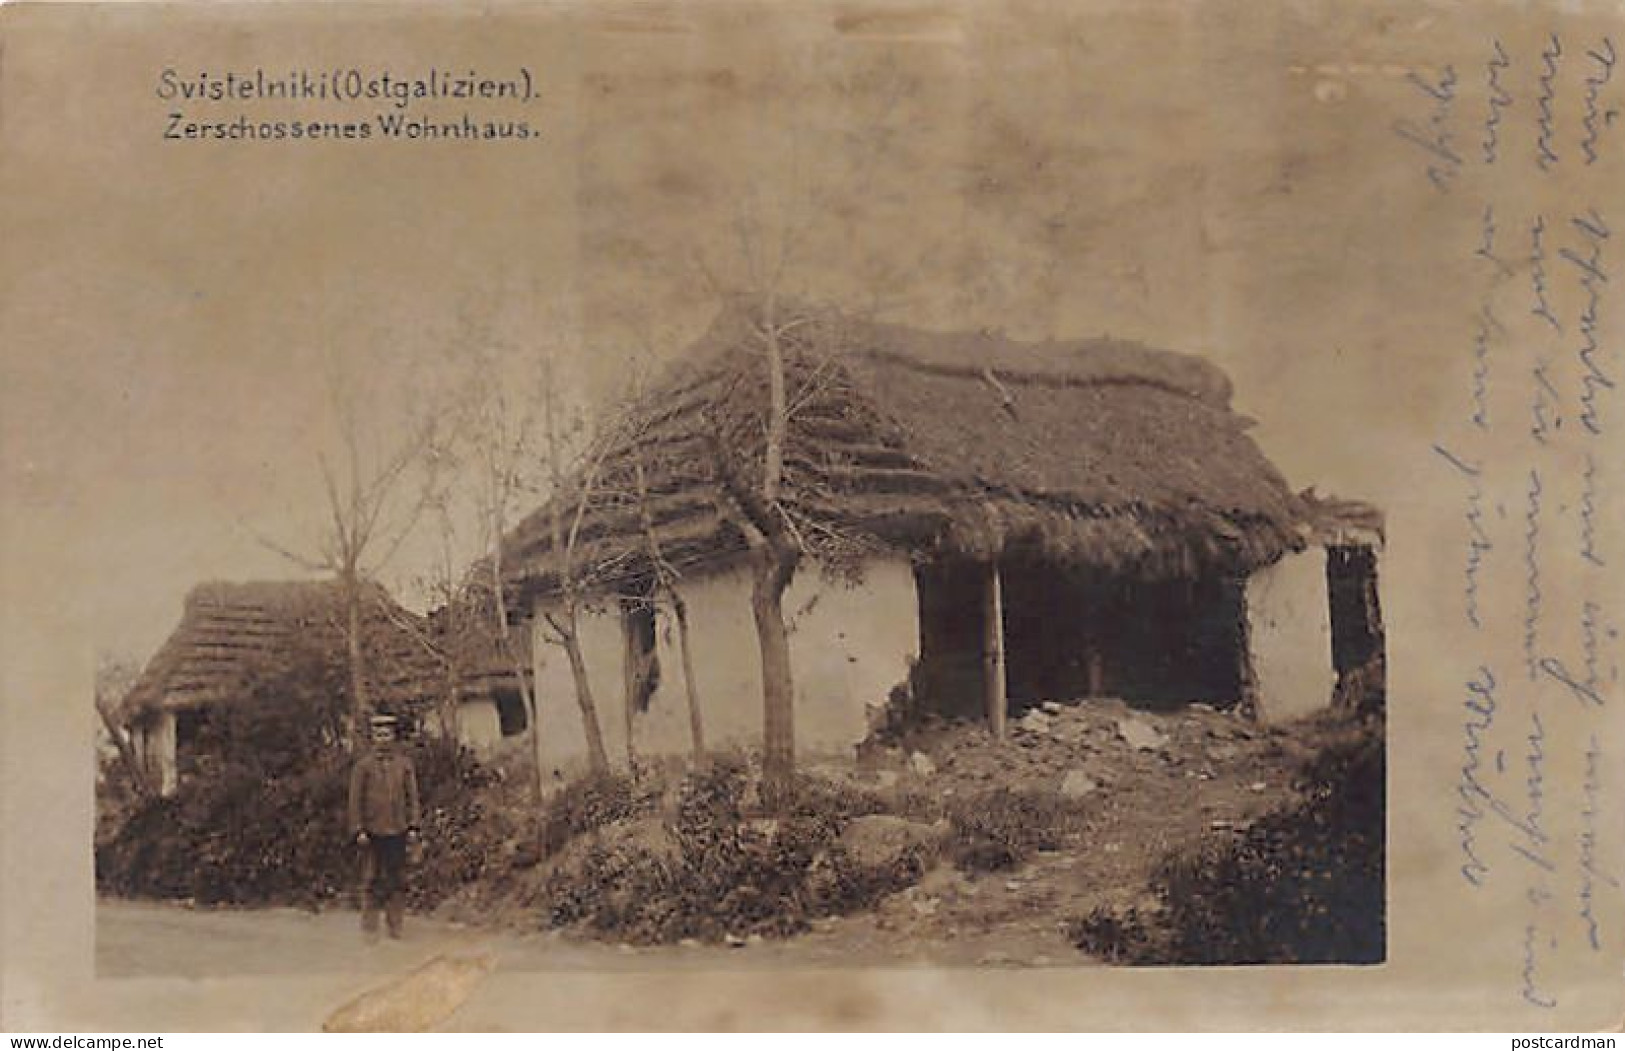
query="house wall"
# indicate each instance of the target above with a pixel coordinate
(849, 645)
(1290, 632)
(478, 725)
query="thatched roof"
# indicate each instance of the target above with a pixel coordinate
(230, 631)
(466, 631)
(1338, 522)
(1099, 452)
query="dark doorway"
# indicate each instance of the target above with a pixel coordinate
(1156, 643)
(949, 677)
(511, 714)
(191, 727)
(1357, 631)
(1072, 634)
(1351, 582)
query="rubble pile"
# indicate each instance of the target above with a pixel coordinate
(1129, 796)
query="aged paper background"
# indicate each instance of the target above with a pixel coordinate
(1300, 191)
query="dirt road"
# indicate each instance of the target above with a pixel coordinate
(288, 970)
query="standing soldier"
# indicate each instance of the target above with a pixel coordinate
(383, 815)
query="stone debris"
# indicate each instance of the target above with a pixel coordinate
(1137, 733)
(1036, 721)
(1078, 784)
(878, 841)
(921, 764)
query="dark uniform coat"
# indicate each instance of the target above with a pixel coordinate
(383, 794)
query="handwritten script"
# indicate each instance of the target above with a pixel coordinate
(1530, 462)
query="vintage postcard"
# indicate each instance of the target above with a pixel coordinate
(831, 514)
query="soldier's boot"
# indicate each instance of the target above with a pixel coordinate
(395, 913)
(369, 915)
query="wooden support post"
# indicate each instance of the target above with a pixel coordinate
(993, 674)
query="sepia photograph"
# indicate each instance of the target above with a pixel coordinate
(880, 643)
(559, 499)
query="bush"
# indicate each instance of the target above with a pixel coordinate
(1120, 936)
(614, 885)
(998, 830)
(711, 869)
(586, 805)
(261, 818)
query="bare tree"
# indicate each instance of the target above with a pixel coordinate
(114, 678)
(665, 587)
(372, 507)
(442, 635)
(663, 575)
(797, 206)
(501, 425)
(572, 495)
(521, 436)
(775, 244)
(773, 552)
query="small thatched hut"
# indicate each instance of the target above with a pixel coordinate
(491, 712)
(1000, 523)
(230, 634)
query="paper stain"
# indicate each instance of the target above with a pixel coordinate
(931, 24)
(415, 1002)
(1331, 91)
(1355, 70)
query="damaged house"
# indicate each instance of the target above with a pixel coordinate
(230, 633)
(1008, 523)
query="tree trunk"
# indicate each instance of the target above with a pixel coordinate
(696, 725)
(597, 758)
(360, 702)
(448, 706)
(533, 716)
(664, 581)
(126, 753)
(775, 564)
